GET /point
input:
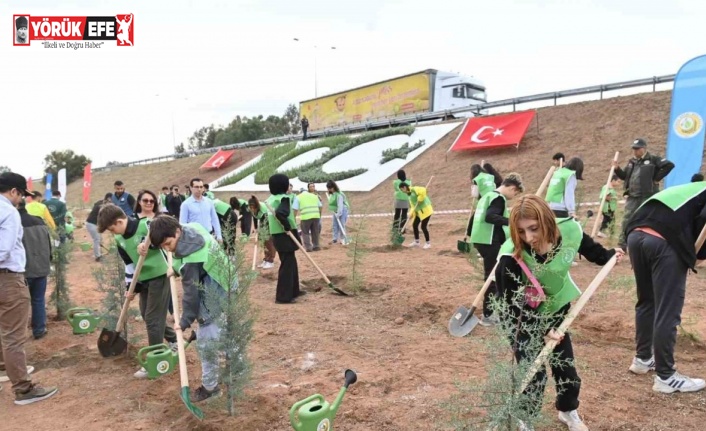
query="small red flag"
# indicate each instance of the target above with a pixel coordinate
(87, 183)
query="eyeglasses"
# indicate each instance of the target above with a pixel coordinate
(147, 201)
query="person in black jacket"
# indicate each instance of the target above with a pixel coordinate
(37, 243)
(174, 201)
(661, 236)
(641, 178)
(305, 127)
(92, 225)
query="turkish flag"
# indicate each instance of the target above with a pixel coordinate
(490, 132)
(30, 184)
(87, 183)
(217, 160)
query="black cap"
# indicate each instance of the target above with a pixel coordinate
(21, 22)
(15, 181)
(639, 143)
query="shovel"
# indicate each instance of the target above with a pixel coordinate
(303, 250)
(110, 343)
(597, 224)
(346, 241)
(463, 245)
(464, 320)
(183, 373)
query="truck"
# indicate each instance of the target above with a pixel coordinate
(430, 90)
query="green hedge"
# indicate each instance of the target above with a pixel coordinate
(401, 152)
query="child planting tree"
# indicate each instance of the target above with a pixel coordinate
(421, 212)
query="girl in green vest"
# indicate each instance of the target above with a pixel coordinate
(484, 179)
(401, 200)
(241, 206)
(339, 206)
(280, 222)
(259, 214)
(561, 192)
(422, 211)
(542, 247)
(69, 226)
(490, 230)
(610, 205)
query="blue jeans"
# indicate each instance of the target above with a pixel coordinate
(337, 233)
(37, 290)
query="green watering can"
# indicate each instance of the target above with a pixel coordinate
(314, 413)
(160, 359)
(82, 320)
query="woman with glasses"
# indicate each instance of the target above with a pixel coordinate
(147, 205)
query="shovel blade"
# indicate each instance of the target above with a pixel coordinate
(337, 290)
(186, 398)
(462, 322)
(463, 246)
(110, 343)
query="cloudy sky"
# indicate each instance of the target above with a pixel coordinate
(197, 63)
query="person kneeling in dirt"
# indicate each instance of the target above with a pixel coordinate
(541, 248)
(661, 235)
(421, 212)
(205, 270)
(152, 283)
(490, 230)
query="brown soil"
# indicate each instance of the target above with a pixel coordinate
(393, 332)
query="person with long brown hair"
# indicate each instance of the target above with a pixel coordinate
(537, 257)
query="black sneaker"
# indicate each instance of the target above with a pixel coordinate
(316, 249)
(34, 394)
(41, 335)
(202, 394)
(98, 259)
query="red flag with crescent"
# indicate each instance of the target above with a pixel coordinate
(87, 183)
(217, 160)
(491, 132)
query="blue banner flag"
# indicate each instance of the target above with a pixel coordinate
(47, 182)
(685, 142)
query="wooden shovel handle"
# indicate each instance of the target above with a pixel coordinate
(183, 373)
(700, 240)
(479, 298)
(599, 216)
(571, 315)
(133, 283)
(545, 181)
(303, 250)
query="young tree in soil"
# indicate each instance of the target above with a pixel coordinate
(497, 403)
(235, 323)
(356, 252)
(60, 296)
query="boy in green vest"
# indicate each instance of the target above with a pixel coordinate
(206, 273)
(546, 246)
(490, 231)
(610, 205)
(561, 192)
(661, 235)
(153, 284)
(279, 222)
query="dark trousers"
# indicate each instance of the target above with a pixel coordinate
(400, 218)
(568, 382)
(246, 223)
(310, 233)
(154, 302)
(560, 213)
(489, 252)
(304, 130)
(288, 277)
(660, 276)
(607, 220)
(424, 224)
(37, 290)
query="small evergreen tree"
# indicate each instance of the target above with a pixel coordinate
(356, 252)
(60, 296)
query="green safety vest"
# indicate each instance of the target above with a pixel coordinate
(308, 206)
(155, 263)
(69, 228)
(485, 183)
(215, 262)
(262, 211)
(210, 195)
(400, 195)
(482, 232)
(675, 197)
(554, 275)
(221, 207)
(609, 205)
(274, 224)
(163, 199)
(333, 201)
(555, 191)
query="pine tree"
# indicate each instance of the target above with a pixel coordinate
(60, 296)
(356, 252)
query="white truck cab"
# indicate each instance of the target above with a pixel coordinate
(452, 90)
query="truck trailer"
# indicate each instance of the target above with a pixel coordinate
(430, 90)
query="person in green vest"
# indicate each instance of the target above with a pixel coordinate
(490, 231)
(401, 200)
(152, 284)
(69, 226)
(484, 179)
(36, 208)
(207, 274)
(259, 213)
(421, 212)
(241, 206)
(561, 192)
(208, 193)
(609, 207)
(309, 206)
(545, 246)
(660, 236)
(339, 207)
(57, 209)
(280, 222)
(163, 199)
(228, 221)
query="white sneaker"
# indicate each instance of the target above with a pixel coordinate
(573, 421)
(639, 366)
(174, 347)
(268, 265)
(261, 264)
(4, 378)
(140, 374)
(524, 427)
(489, 321)
(413, 244)
(678, 383)
(427, 246)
